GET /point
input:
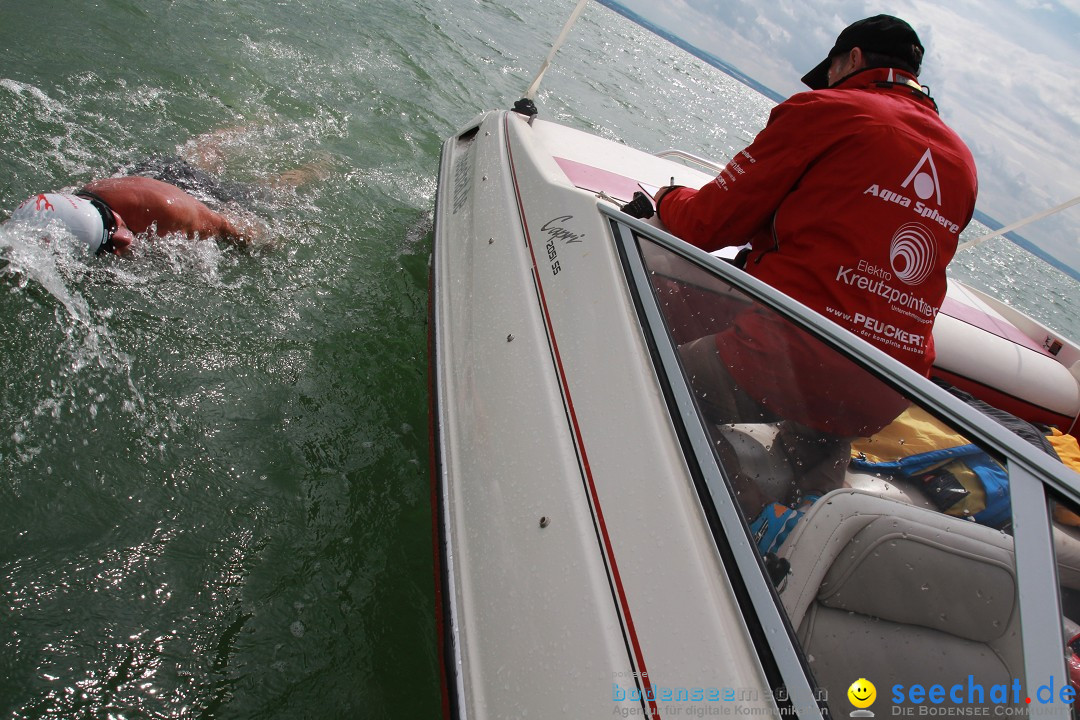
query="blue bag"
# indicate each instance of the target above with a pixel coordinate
(965, 470)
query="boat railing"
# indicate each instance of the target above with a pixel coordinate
(706, 163)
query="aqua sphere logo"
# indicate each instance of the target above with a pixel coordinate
(923, 178)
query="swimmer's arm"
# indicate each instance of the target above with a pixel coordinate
(243, 232)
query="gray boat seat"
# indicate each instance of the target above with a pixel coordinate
(882, 589)
(1066, 539)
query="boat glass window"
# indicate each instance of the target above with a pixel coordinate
(1065, 518)
(886, 533)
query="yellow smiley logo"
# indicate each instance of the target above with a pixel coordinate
(862, 693)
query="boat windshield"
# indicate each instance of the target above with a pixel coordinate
(885, 532)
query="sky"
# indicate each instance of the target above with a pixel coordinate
(1005, 74)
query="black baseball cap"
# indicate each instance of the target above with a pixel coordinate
(881, 34)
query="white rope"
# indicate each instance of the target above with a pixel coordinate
(1019, 224)
(531, 92)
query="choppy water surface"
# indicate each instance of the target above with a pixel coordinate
(214, 495)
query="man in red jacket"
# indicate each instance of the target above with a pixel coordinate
(851, 200)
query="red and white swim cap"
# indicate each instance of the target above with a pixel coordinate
(80, 216)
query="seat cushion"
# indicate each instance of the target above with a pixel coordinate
(921, 575)
(843, 647)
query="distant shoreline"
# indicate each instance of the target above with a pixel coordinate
(695, 51)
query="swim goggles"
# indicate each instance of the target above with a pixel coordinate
(108, 220)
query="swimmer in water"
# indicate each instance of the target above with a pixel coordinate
(107, 214)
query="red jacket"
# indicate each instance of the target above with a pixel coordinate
(852, 199)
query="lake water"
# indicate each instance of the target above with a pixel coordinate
(214, 489)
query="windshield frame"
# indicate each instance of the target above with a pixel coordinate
(1030, 472)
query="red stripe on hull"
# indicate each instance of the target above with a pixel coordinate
(616, 578)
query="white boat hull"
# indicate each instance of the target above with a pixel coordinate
(592, 562)
(532, 345)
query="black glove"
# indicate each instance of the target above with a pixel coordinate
(640, 207)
